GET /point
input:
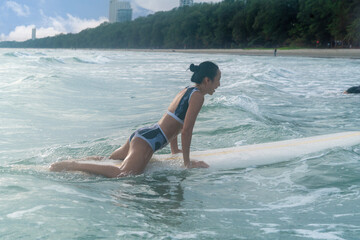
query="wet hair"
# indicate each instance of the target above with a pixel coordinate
(205, 69)
(353, 90)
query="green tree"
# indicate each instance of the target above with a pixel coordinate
(314, 19)
(227, 24)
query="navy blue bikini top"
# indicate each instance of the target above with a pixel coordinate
(180, 111)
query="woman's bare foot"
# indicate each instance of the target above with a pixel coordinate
(62, 166)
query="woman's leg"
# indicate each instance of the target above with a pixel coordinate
(95, 158)
(121, 152)
(105, 170)
(139, 154)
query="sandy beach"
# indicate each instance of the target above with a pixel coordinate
(318, 53)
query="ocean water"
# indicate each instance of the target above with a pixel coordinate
(60, 104)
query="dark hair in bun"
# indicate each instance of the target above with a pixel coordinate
(205, 69)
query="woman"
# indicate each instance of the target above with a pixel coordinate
(142, 144)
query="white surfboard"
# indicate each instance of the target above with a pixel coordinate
(252, 155)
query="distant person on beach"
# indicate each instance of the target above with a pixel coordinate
(275, 51)
(355, 89)
(139, 148)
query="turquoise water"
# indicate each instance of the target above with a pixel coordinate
(59, 104)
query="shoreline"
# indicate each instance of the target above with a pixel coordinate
(306, 52)
(352, 53)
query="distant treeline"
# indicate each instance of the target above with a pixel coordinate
(228, 24)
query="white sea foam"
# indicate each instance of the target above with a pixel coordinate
(304, 199)
(20, 214)
(243, 102)
(129, 234)
(318, 234)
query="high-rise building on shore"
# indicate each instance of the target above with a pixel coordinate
(119, 11)
(33, 34)
(186, 3)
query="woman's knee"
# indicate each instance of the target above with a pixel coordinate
(121, 152)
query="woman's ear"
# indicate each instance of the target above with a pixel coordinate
(207, 80)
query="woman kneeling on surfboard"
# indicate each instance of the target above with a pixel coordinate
(180, 117)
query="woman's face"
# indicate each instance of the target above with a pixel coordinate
(215, 83)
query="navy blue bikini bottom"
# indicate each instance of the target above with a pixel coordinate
(153, 135)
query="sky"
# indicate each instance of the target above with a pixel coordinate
(52, 17)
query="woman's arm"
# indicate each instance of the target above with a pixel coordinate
(174, 146)
(195, 104)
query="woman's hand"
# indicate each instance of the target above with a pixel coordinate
(197, 164)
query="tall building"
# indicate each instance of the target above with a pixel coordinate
(124, 15)
(33, 34)
(186, 3)
(119, 11)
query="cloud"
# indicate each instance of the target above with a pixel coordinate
(52, 26)
(73, 24)
(23, 33)
(22, 11)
